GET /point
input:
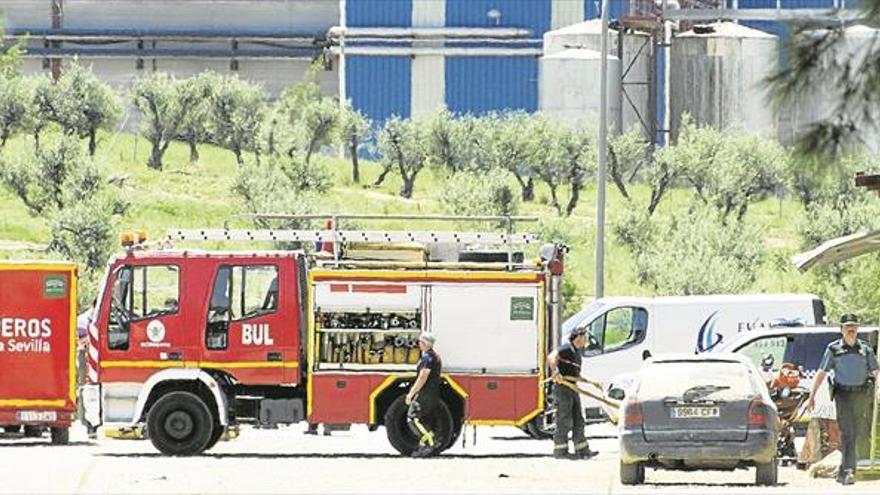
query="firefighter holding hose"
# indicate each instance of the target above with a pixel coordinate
(424, 396)
(565, 364)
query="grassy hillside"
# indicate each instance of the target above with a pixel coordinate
(196, 195)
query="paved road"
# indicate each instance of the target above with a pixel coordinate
(285, 461)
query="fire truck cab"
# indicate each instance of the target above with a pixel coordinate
(190, 343)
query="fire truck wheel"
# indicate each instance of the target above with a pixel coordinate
(401, 436)
(537, 430)
(60, 436)
(33, 431)
(180, 424)
(216, 434)
(12, 428)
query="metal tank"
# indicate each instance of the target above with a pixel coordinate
(817, 105)
(569, 87)
(717, 74)
(634, 49)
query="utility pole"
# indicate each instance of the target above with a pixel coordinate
(603, 156)
(57, 22)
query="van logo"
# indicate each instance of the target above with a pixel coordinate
(708, 338)
(156, 331)
(54, 286)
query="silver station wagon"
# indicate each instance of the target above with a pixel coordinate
(698, 412)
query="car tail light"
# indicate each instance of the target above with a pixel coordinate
(632, 414)
(758, 413)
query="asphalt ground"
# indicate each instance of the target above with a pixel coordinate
(498, 460)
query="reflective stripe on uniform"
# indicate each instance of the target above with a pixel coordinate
(560, 446)
(581, 446)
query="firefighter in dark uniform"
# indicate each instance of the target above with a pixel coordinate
(854, 367)
(424, 396)
(565, 363)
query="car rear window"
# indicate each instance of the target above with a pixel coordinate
(717, 380)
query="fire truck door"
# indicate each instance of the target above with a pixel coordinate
(145, 323)
(247, 332)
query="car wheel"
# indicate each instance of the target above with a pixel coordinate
(632, 474)
(766, 473)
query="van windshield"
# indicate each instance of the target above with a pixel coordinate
(581, 317)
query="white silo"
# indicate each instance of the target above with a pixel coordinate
(818, 103)
(569, 87)
(717, 74)
(634, 51)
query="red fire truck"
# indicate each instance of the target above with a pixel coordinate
(37, 348)
(190, 343)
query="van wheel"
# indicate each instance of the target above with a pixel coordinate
(404, 440)
(180, 424)
(60, 436)
(632, 474)
(33, 431)
(766, 473)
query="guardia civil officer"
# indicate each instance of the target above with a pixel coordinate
(565, 364)
(424, 396)
(853, 367)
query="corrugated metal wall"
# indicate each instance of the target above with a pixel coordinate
(379, 86)
(535, 15)
(482, 84)
(378, 13)
(617, 8)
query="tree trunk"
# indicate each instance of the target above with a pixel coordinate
(527, 187)
(408, 183)
(155, 161)
(37, 133)
(554, 200)
(615, 173)
(618, 181)
(573, 200)
(193, 151)
(93, 145)
(385, 171)
(355, 170)
(238, 156)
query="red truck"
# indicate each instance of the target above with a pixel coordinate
(37, 348)
(190, 343)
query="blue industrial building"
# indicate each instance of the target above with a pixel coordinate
(389, 57)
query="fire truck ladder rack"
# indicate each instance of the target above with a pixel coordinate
(336, 237)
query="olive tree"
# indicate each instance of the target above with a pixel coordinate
(238, 110)
(565, 158)
(82, 104)
(195, 123)
(403, 146)
(165, 103)
(505, 141)
(480, 193)
(356, 129)
(694, 253)
(16, 97)
(64, 187)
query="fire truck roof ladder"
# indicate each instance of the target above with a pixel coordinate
(505, 236)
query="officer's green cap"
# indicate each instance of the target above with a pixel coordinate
(849, 319)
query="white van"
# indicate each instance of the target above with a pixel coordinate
(623, 331)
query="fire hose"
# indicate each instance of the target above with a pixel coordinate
(572, 384)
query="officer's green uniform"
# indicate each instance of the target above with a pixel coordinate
(853, 389)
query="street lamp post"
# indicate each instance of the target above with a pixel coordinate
(603, 156)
